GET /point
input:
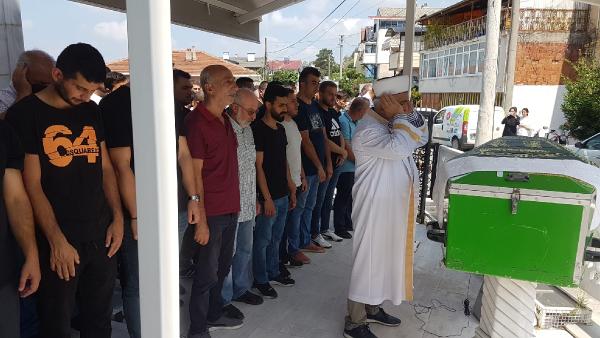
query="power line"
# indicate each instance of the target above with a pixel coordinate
(314, 28)
(330, 28)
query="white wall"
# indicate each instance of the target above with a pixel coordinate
(383, 56)
(543, 103)
(11, 38)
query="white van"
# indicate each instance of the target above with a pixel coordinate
(456, 126)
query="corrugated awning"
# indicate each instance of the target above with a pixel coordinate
(234, 18)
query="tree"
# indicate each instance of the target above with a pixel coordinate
(581, 104)
(351, 81)
(287, 77)
(325, 56)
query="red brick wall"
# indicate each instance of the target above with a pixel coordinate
(544, 63)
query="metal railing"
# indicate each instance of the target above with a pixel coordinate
(538, 20)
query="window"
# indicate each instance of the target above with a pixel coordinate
(473, 62)
(593, 143)
(459, 60)
(432, 67)
(451, 65)
(370, 48)
(481, 61)
(466, 63)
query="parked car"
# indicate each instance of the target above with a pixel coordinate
(456, 126)
(588, 149)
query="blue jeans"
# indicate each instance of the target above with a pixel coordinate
(129, 278)
(267, 237)
(315, 222)
(305, 219)
(328, 201)
(292, 227)
(239, 279)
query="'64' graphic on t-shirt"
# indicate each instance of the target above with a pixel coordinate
(60, 149)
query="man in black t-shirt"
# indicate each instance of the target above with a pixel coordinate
(322, 211)
(274, 185)
(16, 222)
(316, 159)
(73, 189)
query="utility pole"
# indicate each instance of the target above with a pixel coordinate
(329, 66)
(485, 122)
(265, 71)
(511, 60)
(409, 36)
(341, 56)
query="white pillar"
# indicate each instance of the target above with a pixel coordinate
(11, 38)
(485, 122)
(512, 54)
(507, 310)
(149, 34)
(409, 38)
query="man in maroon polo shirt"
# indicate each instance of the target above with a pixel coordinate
(213, 146)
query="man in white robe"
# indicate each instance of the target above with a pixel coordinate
(385, 192)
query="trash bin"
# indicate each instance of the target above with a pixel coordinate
(519, 208)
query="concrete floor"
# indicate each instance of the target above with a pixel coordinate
(316, 306)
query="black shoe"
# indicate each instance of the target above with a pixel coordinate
(344, 234)
(224, 323)
(292, 263)
(199, 335)
(266, 290)
(249, 298)
(283, 281)
(362, 331)
(187, 272)
(283, 271)
(383, 318)
(231, 311)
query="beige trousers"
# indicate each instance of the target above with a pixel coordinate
(357, 314)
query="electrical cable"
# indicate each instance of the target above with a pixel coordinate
(312, 30)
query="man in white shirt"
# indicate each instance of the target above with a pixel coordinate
(525, 127)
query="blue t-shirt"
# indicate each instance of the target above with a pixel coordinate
(348, 127)
(309, 119)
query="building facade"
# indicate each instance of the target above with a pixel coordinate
(552, 35)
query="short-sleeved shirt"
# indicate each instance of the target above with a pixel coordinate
(272, 143)
(293, 150)
(215, 143)
(67, 143)
(348, 127)
(246, 154)
(11, 157)
(309, 119)
(332, 127)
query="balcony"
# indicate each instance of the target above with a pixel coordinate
(532, 20)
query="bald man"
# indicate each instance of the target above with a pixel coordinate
(32, 74)
(213, 145)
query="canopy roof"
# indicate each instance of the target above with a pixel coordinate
(234, 18)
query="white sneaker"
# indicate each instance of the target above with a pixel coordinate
(320, 241)
(330, 235)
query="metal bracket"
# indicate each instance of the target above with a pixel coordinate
(515, 197)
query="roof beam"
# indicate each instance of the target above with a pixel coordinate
(224, 5)
(268, 8)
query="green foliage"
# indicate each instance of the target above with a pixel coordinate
(415, 96)
(324, 56)
(351, 81)
(287, 77)
(581, 104)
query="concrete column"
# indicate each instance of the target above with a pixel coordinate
(11, 38)
(149, 32)
(409, 38)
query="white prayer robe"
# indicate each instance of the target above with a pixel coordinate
(384, 209)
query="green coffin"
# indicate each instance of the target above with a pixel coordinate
(529, 227)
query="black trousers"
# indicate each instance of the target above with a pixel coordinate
(91, 289)
(9, 310)
(212, 265)
(188, 248)
(342, 205)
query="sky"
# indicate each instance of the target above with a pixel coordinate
(51, 25)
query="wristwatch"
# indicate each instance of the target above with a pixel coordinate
(195, 198)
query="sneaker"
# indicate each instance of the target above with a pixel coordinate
(313, 248)
(330, 235)
(283, 271)
(283, 281)
(344, 234)
(249, 298)
(320, 241)
(383, 318)
(225, 323)
(300, 257)
(362, 331)
(266, 290)
(233, 312)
